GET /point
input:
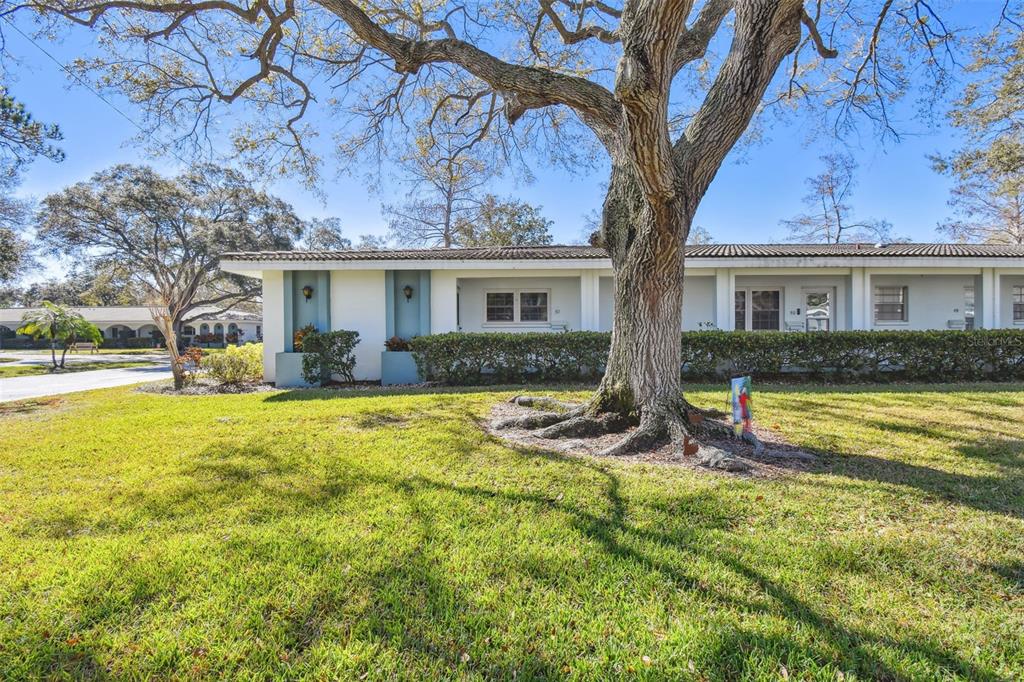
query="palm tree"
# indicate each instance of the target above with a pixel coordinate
(57, 323)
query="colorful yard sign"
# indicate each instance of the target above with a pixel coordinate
(741, 415)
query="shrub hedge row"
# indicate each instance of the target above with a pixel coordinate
(491, 358)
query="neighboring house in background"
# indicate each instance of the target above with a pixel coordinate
(134, 326)
(777, 287)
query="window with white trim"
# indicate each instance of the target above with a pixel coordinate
(517, 306)
(758, 309)
(890, 304)
(501, 306)
(1018, 303)
(533, 306)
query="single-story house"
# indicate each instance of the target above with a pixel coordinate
(119, 324)
(777, 287)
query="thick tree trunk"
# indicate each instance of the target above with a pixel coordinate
(642, 379)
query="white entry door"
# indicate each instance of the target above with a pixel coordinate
(818, 309)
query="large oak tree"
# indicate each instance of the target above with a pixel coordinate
(166, 235)
(666, 88)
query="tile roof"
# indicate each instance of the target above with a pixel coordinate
(899, 250)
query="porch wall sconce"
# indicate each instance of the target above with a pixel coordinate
(407, 290)
(307, 291)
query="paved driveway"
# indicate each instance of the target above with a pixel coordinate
(19, 388)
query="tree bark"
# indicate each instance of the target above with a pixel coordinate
(645, 242)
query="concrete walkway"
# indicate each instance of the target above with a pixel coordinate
(20, 388)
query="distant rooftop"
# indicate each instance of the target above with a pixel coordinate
(693, 251)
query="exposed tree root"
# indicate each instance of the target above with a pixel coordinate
(531, 421)
(544, 402)
(580, 426)
(684, 428)
(646, 436)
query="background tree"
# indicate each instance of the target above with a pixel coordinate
(324, 234)
(167, 235)
(829, 218)
(509, 222)
(665, 88)
(988, 192)
(16, 255)
(60, 325)
(22, 138)
(447, 179)
(81, 287)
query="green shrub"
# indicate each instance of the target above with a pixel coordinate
(495, 358)
(236, 365)
(328, 354)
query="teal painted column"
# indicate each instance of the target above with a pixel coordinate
(424, 302)
(289, 313)
(389, 303)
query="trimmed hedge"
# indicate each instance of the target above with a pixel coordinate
(928, 356)
(327, 354)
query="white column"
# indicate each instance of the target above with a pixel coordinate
(725, 299)
(989, 304)
(273, 321)
(444, 302)
(357, 304)
(857, 320)
(590, 312)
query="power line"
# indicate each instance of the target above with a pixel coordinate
(91, 89)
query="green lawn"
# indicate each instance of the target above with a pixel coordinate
(322, 535)
(8, 371)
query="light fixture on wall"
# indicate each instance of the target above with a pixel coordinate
(407, 290)
(307, 291)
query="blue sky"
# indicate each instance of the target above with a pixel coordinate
(745, 203)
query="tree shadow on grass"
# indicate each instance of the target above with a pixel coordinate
(417, 607)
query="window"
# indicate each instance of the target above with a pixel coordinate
(968, 307)
(518, 306)
(189, 330)
(1018, 303)
(764, 312)
(890, 304)
(204, 329)
(741, 310)
(501, 306)
(533, 306)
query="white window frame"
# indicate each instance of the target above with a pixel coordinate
(906, 306)
(748, 312)
(516, 319)
(1015, 291)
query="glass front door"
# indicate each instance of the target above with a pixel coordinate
(818, 310)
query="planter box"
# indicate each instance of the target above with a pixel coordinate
(398, 367)
(289, 371)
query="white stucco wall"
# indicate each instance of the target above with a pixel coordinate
(932, 300)
(698, 302)
(358, 304)
(563, 306)
(273, 321)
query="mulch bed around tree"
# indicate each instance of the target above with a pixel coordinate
(778, 458)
